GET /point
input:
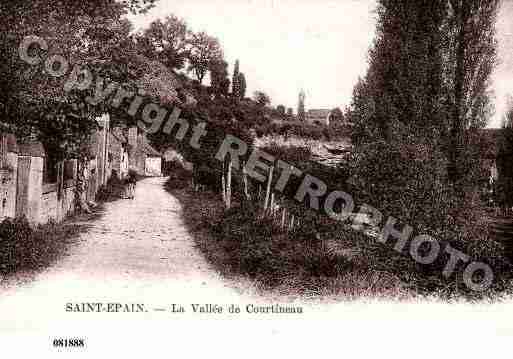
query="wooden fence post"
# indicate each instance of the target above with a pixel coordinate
(60, 179)
(268, 189)
(229, 186)
(245, 181)
(223, 188)
(3, 151)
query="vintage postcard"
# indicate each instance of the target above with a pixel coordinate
(243, 178)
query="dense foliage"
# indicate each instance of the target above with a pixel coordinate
(504, 187)
(408, 99)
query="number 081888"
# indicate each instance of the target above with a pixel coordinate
(68, 343)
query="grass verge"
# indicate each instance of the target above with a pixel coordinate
(299, 263)
(26, 250)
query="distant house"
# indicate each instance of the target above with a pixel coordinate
(117, 155)
(318, 117)
(152, 159)
(9, 151)
(143, 158)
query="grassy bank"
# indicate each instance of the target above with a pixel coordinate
(26, 250)
(303, 262)
(317, 256)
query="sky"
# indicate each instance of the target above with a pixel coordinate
(320, 46)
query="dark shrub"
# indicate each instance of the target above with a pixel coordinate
(24, 248)
(410, 183)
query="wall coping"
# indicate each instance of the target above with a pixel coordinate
(49, 187)
(52, 187)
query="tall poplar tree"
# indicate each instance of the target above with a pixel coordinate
(242, 85)
(471, 50)
(236, 81)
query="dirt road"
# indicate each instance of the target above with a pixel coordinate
(139, 251)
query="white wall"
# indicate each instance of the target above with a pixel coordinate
(153, 166)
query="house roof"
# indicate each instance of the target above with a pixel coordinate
(318, 113)
(155, 80)
(119, 133)
(159, 82)
(146, 148)
(12, 144)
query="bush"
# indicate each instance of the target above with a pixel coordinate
(259, 249)
(290, 154)
(410, 183)
(179, 177)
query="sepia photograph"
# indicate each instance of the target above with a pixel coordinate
(243, 178)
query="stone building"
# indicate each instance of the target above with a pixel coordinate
(33, 186)
(318, 117)
(24, 191)
(8, 175)
(27, 190)
(143, 158)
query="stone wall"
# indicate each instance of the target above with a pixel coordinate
(8, 178)
(22, 188)
(49, 204)
(117, 160)
(153, 166)
(53, 208)
(102, 151)
(34, 188)
(23, 192)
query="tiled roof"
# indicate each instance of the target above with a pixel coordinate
(146, 148)
(12, 145)
(159, 82)
(119, 133)
(318, 113)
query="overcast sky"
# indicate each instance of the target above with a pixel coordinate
(319, 45)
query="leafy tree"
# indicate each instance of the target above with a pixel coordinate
(337, 117)
(281, 109)
(504, 158)
(242, 85)
(204, 50)
(33, 104)
(166, 41)
(220, 83)
(236, 81)
(428, 77)
(470, 55)
(405, 128)
(301, 106)
(401, 92)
